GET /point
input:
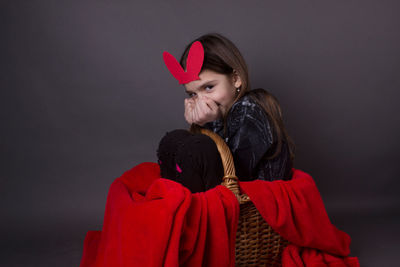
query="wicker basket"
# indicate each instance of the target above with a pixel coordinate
(257, 244)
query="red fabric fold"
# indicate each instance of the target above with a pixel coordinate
(295, 210)
(152, 221)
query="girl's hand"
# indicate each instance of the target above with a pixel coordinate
(201, 110)
(189, 106)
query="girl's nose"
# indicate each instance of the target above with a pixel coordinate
(200, 96)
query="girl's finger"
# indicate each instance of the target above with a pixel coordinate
(189, 110)
(203, 108)
(196, 112)
(211, 104)
(187, 114)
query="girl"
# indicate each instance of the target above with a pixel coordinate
(250, 122)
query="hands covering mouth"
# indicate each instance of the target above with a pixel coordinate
(201, 110)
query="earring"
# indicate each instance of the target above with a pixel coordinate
(238, 90)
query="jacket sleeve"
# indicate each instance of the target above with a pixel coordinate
(215, 126)
(249, 136)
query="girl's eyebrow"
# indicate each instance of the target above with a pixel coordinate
(202, 85)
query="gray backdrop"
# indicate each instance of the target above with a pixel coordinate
(85, 96)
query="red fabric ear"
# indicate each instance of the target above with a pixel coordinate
(193, 64)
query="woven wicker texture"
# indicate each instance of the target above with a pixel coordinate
(257, 244)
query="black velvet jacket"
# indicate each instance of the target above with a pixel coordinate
(250, 138)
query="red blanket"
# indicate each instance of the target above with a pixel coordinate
(152, 221)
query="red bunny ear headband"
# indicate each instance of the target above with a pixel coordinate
(194, 63)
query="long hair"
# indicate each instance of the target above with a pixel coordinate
(273, 110)
(222, 56)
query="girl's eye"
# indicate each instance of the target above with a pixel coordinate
(208, 86)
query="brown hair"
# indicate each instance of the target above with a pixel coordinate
(222, 56)
(271, 106)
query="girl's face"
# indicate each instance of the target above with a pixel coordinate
(219, 87)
